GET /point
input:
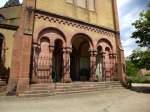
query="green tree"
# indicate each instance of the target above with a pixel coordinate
(141, 59)
(142, 26)
(131, 69)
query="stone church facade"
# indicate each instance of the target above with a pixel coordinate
(60, 41)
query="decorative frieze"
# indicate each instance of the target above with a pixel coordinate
(62, 21)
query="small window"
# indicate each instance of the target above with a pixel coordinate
(81, 3)
(69, 1)
(91, 5)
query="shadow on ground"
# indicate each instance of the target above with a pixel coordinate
(141, 88)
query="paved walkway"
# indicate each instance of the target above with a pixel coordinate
(121, 100)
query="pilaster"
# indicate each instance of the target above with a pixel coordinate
(20, 69)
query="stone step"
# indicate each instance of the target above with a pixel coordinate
(70, 88)
(67, 87)
(2, 90)
(74, 83)
(64, 92)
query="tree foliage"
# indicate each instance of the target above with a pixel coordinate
(141, 59)
(131, 69)
(142, 26)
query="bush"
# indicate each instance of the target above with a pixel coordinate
(140, 80)
(131, 69)
(147, 75)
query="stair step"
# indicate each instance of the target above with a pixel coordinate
(70, 88)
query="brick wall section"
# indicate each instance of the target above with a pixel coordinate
(19, 73)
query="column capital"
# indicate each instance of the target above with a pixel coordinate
(35, 45)
(93, 52)
(114, 55)
(51, 48)
(67, 50)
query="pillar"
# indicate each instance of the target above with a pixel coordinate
(116, 77)
(20, 68)
(34, 63)
(66, 58)
(103, 66)
(51, 63)
(93, 55)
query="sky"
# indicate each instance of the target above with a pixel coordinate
(128, 12)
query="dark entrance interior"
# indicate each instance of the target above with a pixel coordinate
(80, 59)
(57, 73)
(1, 46)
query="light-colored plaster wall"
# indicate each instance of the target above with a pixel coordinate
(11, 14)
(8, 36)
(103, 15)
(41, 24)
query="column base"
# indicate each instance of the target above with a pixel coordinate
(23, 85)
(12, 86)
(93, 78)
(66, 80)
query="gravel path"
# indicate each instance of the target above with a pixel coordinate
(118, 100)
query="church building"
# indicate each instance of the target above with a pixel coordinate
(59, 41)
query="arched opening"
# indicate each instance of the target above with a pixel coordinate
(58, 61)
(104, 42)
(1, 46)
(80, 59)
(43, 72)
(99, 64)
(107, 60)
(47, 56)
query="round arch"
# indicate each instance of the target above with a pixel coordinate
(84, 36)
(80, 57)
(52, 34)
(105, 41)
(44, 39)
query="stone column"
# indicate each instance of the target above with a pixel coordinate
(116, 77)
(111, 67)
(66, 60)
(103, 66)
(51, 63)
(34, 63)
(93, 55)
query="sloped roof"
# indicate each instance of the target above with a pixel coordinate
(12, 3)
